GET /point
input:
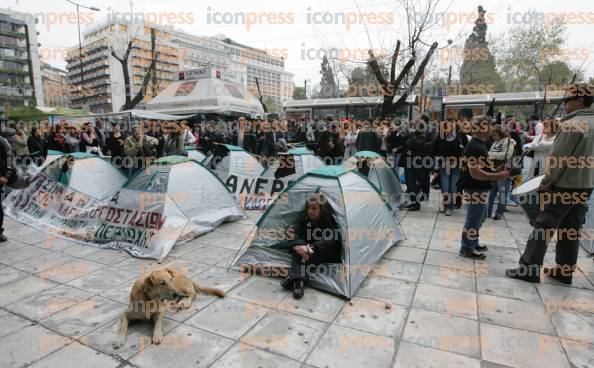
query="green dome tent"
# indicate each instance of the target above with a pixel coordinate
(368, 228)
(195, 192)
(379, 172)
(87, 173)
(292, 164)
(233, 160)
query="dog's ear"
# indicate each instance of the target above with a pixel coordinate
(171, 272)
(151, 279)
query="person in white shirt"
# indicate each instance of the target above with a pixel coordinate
(350, 141)
(542, 146)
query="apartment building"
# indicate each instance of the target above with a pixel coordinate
(20, 75)
(101, 87)
(55, 86)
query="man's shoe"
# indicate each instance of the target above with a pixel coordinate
(298, 288)
(522, 273)
(497, 217)
(3, 238)
(448, 212)
(405, 206)
(287, 283)
(472, 254)
(481, 248)
(558, 274)
(414, 207)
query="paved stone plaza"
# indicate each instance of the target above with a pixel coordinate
(422, 306)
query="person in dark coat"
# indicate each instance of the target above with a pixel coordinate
(448, 150)
(7, 156)
(418, 145)
(37, 146)
(367, 139)
(317, 240)
(57, 138)
(115, 143)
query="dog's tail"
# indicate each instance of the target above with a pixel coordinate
(209, 291)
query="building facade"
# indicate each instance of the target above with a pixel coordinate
(248, 63)
(102, 87)
(177, 51)
(55, 86)
(20, 75)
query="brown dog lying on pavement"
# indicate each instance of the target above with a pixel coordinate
(150, 296)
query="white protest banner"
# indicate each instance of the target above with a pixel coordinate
(255, 193)
(127, 220)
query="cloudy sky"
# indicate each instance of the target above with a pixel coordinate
(304, 31)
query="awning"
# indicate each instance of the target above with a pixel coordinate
(39, 112)
(209, 95)
(145, 114)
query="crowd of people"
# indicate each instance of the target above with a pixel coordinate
(466, 157)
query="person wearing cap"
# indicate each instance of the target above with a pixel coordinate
(564, 192)
(477, 176)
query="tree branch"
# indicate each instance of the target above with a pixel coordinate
(393, 66)
(374, 66)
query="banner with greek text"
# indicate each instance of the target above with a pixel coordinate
(126, 220)
(255, 193)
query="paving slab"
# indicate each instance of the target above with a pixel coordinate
(387, 290)
(518, 348)
(416, 356)
(75, 355)
(184, 346)
(84, 317)
(29, 345)
(443, 332)
(404, 253)
(228, 317)
(580, 354)
(380, 318)
(286, 334)
(138, 338)
(246, 356)
(515, 313)
(48, 302)
(448, 277)
(449, 301)
(315, 304)
(11, 323)
(103, 279)
(23, 288)
(402, 270)
(9, 274)
(346, 347)
(574, 325)
(507, 288)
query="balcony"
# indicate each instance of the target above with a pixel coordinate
(15, 91)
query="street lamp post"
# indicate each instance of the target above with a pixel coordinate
(82, 77)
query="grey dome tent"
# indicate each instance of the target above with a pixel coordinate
(379, 172)
(228, 159)
(87, 173)
(368, 228)
(196, 192)
(292, 164)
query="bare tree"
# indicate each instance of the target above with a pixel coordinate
(151, 71)
(417, 23)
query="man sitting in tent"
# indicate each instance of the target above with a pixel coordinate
(317, 240)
